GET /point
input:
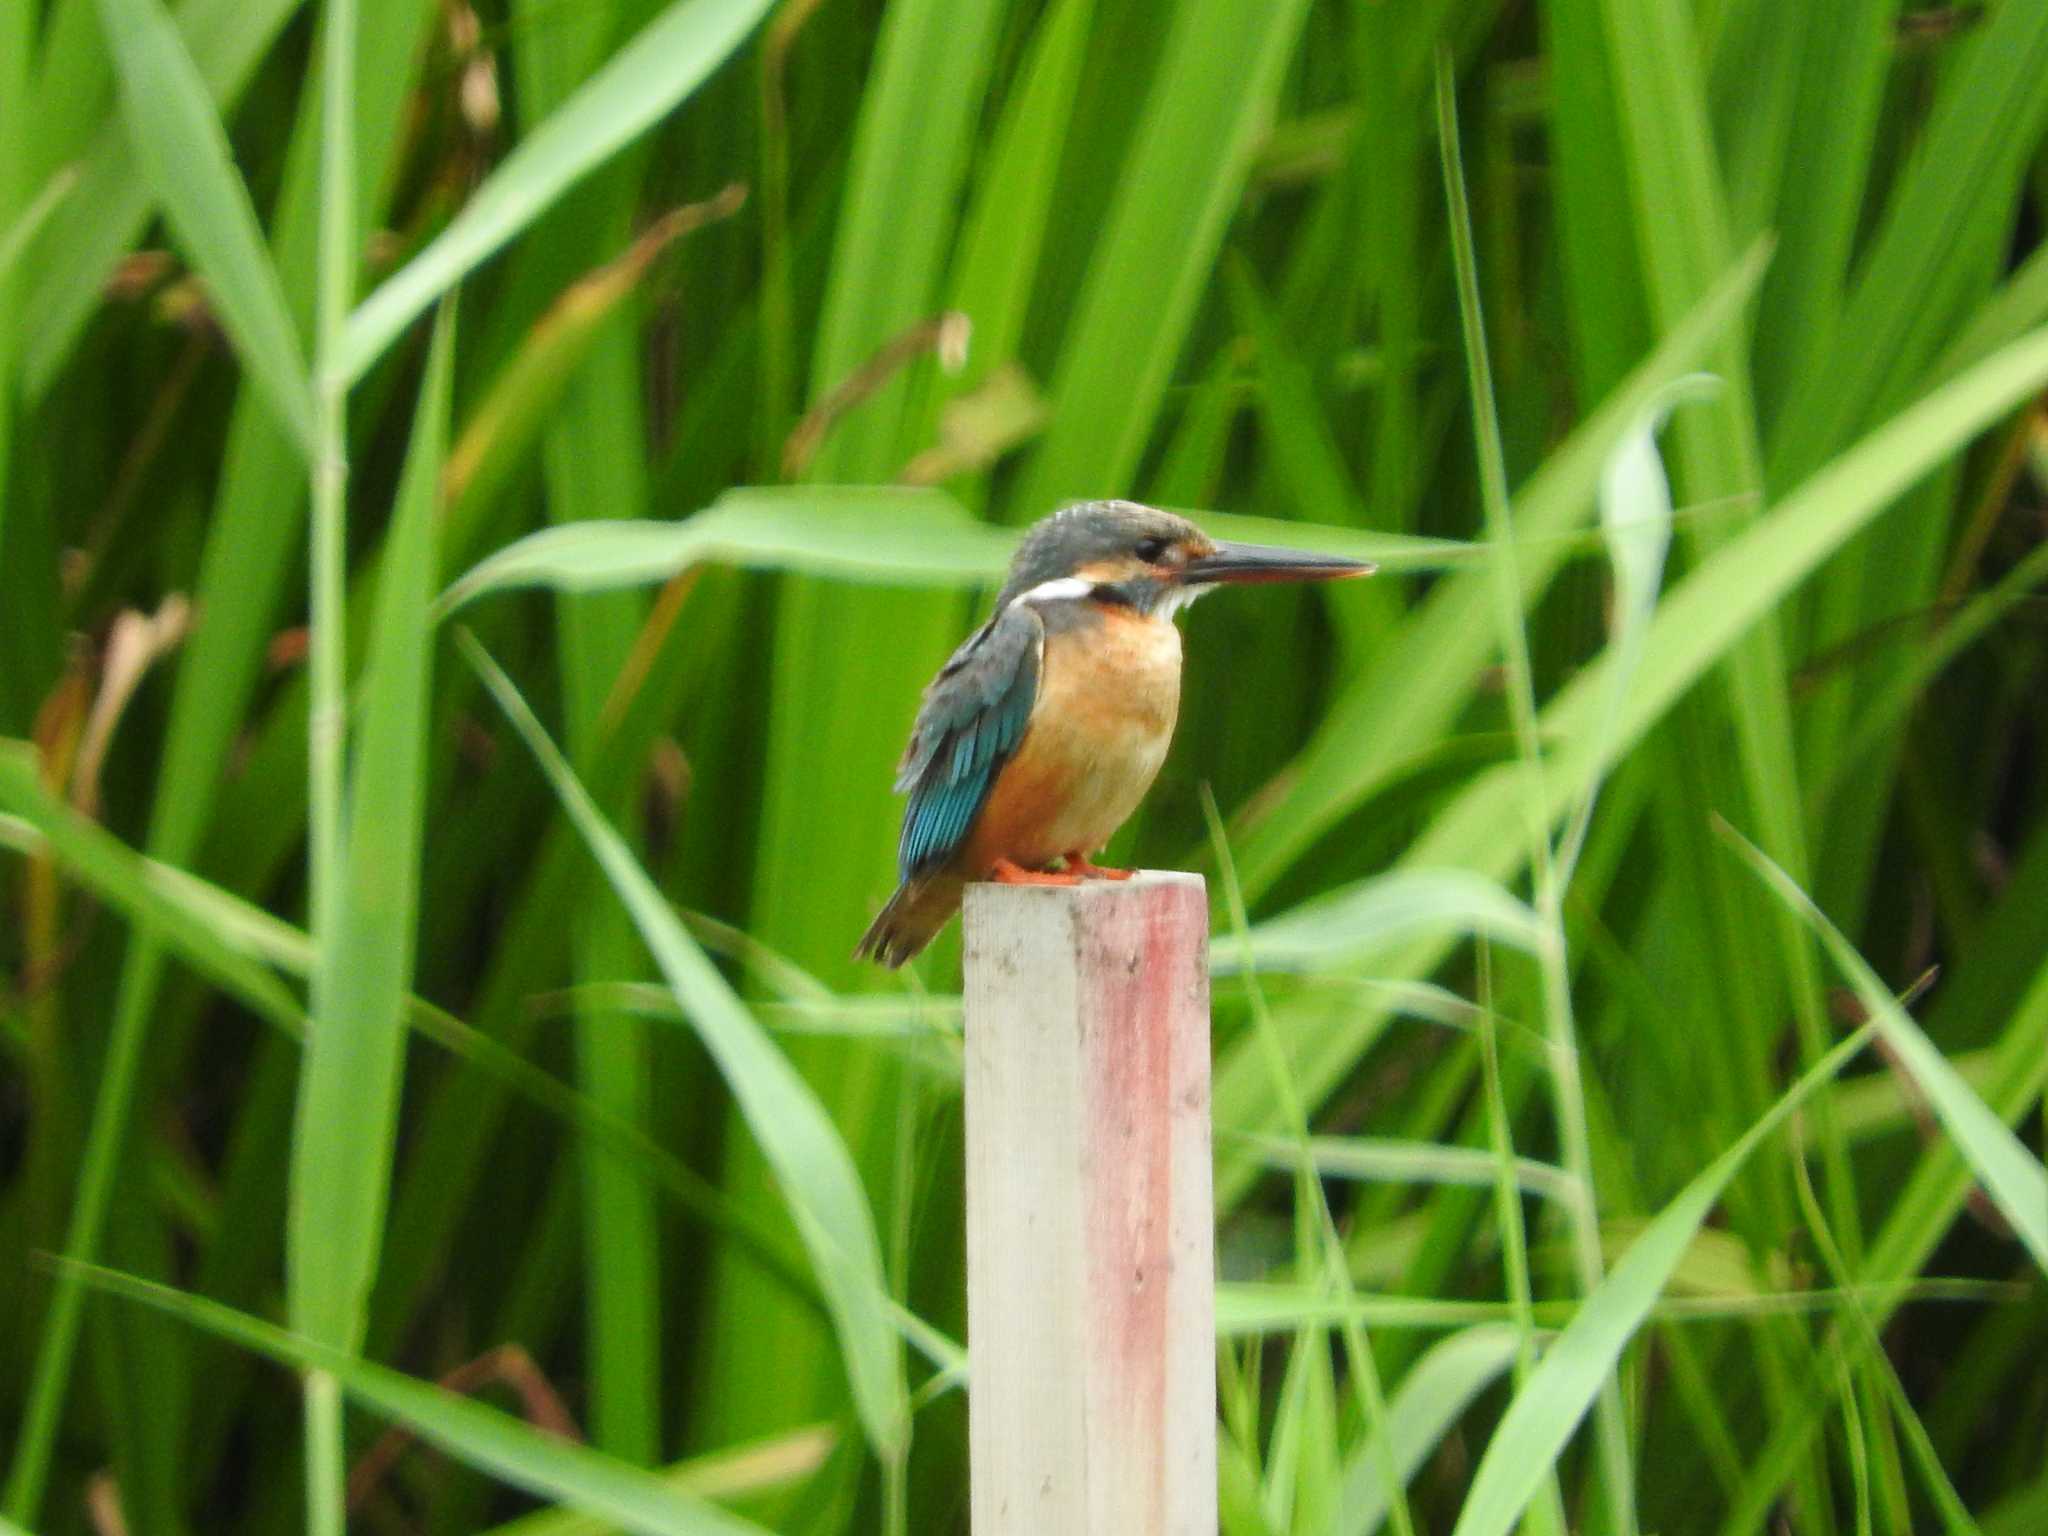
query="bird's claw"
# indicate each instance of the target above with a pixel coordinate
(1003, 872)
(1078, 864)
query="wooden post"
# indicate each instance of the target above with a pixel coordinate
(1091, 1296)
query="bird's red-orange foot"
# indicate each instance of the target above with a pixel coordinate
(1003, 872)
(1078, 864)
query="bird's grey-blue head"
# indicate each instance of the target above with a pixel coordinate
(1123, 552)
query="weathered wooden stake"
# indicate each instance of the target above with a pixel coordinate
(1091, 1296)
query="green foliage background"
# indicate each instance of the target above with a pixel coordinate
(327, 1040)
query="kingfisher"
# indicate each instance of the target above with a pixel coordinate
(1044, 730)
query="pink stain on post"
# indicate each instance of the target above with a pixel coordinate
(1090, 1269)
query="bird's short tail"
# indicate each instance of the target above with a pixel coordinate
(916, 913)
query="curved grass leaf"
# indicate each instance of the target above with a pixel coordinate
(1559, 1391)
(665, 62)
(816, 1173)
(2013, 1177)
(1382, 911)
(482, 1437)
(178, 140)
(1437, 1389)
(901, 537)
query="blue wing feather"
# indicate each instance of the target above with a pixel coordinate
(974, 716)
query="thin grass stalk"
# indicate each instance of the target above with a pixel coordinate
(1610, 1422)
(327, 638)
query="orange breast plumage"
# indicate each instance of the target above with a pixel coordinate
(1108, 696)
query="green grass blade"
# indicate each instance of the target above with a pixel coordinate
(488, 1440)
(177, 137)
(594, 466)
(911, 147)
(811, 1162)
(1561, 1389)
(342, 1150)
(663, 64)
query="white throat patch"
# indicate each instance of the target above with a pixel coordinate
(1177, 597)
(1062, 589)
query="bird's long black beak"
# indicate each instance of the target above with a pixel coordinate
(1245, 563)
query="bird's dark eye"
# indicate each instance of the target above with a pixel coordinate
(1149, 550)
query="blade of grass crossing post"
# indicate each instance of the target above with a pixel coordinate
(816, 1175)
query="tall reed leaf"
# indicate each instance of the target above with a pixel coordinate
(1548, 1408)
(178, 140)
(799, 1141)
(667, 60)
(491, 1441)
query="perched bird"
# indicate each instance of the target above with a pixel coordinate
(1041, 734)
